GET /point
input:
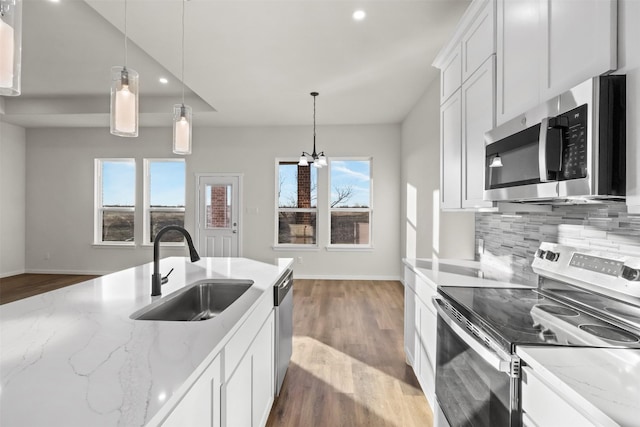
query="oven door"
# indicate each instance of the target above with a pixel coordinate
(475, 386)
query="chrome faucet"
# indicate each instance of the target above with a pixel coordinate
(157, 280)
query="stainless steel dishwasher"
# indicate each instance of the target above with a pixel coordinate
(283, 302)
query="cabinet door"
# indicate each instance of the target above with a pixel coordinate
(478, 117)
(238, 395)
(200, 407)
(544, 407)
(581, 38)
(427, 338)
(409, 323)
(262, 378)
(451, 74)
(519, 62)
(249, 391)
(479, 41)
(450, 153)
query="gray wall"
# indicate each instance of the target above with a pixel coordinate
(59, 190)
(12, 199)
(426, 231)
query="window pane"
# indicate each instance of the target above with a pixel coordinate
(297, 186)
(350, 183)
(117, 226)
(167, 183)
(218, 199)
(297, 227)
(160, 219)
(118, 183)
(350, 228)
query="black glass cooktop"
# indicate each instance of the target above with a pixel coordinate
(516, 316)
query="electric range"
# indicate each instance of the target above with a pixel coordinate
(584, 298)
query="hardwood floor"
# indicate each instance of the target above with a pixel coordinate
(26, 285)
(348, 365)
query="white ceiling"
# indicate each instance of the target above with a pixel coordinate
(247, 62)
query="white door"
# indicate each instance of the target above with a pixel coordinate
(218, 231)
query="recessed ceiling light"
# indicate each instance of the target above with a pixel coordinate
(359, 15)
(163, 80)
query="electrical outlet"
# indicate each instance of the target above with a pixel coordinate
(299, 260)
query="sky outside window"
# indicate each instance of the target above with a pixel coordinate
(350, 183)
(167, 184)
(118, 183)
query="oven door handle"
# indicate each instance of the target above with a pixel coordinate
(493, 359)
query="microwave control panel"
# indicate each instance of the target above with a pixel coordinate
(574, 143)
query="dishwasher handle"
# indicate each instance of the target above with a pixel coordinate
(488, 355)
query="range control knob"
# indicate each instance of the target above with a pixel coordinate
(551, 256)
(630, 273)
(540, 253)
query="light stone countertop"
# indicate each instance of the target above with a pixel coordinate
(73, 357)
(453, 272)
(603, 384)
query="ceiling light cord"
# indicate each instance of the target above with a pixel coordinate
(183, 2)
(125, 34)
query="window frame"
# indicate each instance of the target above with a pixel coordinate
(146, 200)
(99, 209)
(330, 210)
(298, 246)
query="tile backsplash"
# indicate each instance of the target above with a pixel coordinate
(511, 239)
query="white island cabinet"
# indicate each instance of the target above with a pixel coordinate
(77, 355)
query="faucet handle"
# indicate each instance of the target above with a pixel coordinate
(165, 279)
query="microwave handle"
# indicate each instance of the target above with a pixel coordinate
(542, 150)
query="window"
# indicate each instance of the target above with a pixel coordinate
(115, 195)
(297, 204)
(164, 198)
(350, 201)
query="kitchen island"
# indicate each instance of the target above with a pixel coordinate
(75, 357)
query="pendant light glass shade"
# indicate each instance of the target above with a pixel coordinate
(124, 101)
(10, 46)
(182, 129)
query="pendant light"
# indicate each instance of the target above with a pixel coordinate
(124, 95)
(10, 46)
(182, 114)
(319, 160)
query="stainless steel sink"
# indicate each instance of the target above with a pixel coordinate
(200, 301)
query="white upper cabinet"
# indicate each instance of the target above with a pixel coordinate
(479, 41)
(518, 57)
(545, 47)
(582, 42)
(451, 74)
(478, 117)
(451, 153)
(467, 109)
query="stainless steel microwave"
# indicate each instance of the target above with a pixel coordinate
(571, 148)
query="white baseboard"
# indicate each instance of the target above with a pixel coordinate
(83, 272)
(343, 277)
(11, 273)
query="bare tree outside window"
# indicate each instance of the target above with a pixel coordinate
(350, 202)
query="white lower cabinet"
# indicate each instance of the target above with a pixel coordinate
(421, 331)
(237, 388)
(200, 407)
(248, 393)
(542, 406)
